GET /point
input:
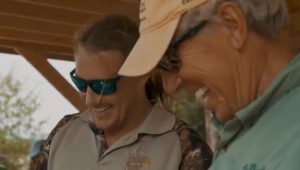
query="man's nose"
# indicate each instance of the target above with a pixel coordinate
(91, 98)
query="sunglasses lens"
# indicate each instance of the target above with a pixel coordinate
(104, 87)
(110, 89)
(108, 86)
(97, 87)
(81, 85)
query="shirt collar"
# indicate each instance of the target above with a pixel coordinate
(84, 116)
(159, 121)
(287, 80)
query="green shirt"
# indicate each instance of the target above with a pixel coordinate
(266, 134)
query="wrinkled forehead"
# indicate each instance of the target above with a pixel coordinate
(100, 65)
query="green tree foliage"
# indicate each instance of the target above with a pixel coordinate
(188, 108)
(16, 111)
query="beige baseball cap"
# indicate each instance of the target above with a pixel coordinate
(158, 22)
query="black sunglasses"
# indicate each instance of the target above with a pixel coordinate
(103, 86)
(171, 61)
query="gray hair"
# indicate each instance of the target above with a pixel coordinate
(265, 17)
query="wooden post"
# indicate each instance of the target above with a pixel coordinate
(39, 61)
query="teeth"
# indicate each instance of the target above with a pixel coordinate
(101, 109)
(199, 93)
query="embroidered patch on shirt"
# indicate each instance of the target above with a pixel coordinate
(137, 162)
(253, 167)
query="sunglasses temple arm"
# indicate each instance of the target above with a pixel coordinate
(101, 95)
(90, 116)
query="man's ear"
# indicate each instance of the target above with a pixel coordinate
(171, 82)
(234, 19)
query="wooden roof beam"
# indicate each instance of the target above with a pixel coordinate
(24, 24)
(94, 6)
(47, 49)
(45, 13)
(7, 50)
(41, 64)
(48, 55)
(60, 57)
(39, 38)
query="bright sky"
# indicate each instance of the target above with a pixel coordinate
(53, 105)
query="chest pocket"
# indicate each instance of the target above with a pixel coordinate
(137, 162)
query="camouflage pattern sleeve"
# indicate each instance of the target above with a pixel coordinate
(196, 154)
(40, 161)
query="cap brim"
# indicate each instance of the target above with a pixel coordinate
(148, 50)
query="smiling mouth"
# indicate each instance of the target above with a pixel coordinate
(101, 109)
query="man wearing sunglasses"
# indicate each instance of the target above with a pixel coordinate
(123, 127)
(237, 56)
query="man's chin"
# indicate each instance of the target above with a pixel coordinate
(103, 126)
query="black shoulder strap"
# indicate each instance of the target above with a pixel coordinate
(196, 154)
(42, 158)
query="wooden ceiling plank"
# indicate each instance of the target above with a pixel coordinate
(7, 50)
(29, 25)
(45, 13)
(10, 50)
(36, 32)
(59, 57)
(34, 37)
(53, 76)
(94, 6)
(42, 47)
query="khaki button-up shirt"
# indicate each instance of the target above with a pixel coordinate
(154, 145)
